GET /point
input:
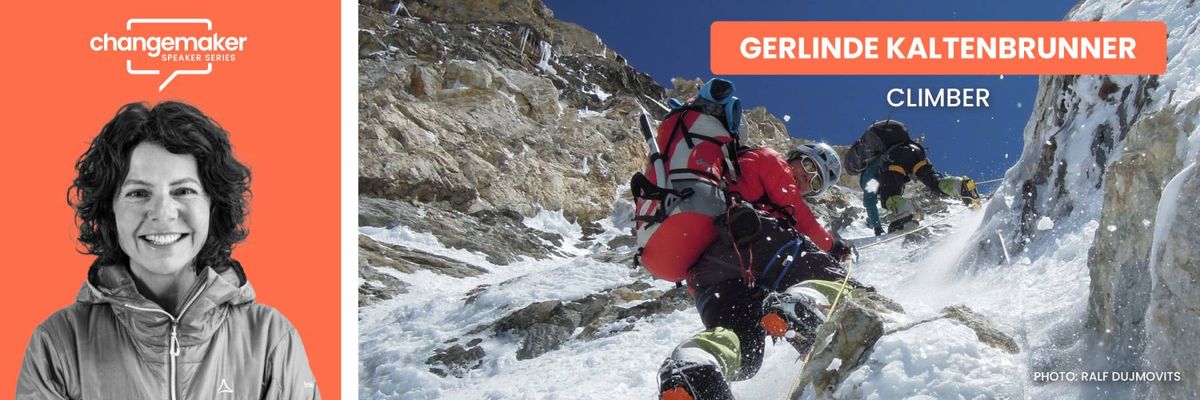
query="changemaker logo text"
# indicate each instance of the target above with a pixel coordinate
(194, 49)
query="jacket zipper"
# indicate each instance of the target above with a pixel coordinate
(173, 342)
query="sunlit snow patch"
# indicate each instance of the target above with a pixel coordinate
(555, 222)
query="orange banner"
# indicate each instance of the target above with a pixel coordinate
(937, 48)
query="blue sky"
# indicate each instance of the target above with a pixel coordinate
(670, 39)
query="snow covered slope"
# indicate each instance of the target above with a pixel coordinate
(940, 359)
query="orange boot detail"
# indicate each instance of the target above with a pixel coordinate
(774, 324)
(676, 393)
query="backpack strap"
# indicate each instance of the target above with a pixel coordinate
(785, 211)
(689, 137)
(642, 188)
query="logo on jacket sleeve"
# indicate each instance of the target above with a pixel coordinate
(224, 388)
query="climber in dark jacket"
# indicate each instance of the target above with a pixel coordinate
(904, 159)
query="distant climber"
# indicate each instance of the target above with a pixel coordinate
(770, 272)
(886, 158)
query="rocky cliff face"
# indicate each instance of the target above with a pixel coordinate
(1173, 316)
(475, 116)
(1120, 257)
(1102, 148)
(498, 106)
(1077, 131)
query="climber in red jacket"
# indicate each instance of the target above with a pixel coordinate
(772, 270)
(781, 186)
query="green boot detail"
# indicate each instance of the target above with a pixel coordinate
(723, 345)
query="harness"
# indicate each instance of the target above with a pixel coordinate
(899, 169)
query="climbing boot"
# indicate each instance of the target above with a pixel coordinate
(794, 315)
(906, 223)
(683, 380)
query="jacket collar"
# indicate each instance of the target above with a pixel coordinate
(199, 316)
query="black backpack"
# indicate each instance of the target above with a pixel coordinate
(877, 139)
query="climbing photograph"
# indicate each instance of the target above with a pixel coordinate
(778, 200)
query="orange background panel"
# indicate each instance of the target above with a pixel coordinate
(280, 102)
(726, 57)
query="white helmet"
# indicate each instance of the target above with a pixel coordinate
(826, 162)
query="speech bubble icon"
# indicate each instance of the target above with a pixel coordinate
(129, 63)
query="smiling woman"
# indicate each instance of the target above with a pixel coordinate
(165, 312)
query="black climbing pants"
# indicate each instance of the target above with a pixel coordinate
(733, 305)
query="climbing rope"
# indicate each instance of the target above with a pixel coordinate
(988, 181)
(921, 228)
(845, 281)
(924, 226)
(832, 308)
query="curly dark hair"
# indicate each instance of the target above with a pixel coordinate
(181, 129)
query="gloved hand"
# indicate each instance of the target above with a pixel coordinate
(841, 250)
(968, 194)
(967, 189)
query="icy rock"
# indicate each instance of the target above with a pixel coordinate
(849, 336)
(673, 300)
(456, 360)
(1173, 316)
(525, 318)
(1070, 143)
(408, 260)
(629, 241)
(545, 326)
(497, 233)
(846, 341)
(591, 307)
(626, 294)
(1120, 290)
(376, 286)
(984, 331)
(542, 338)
